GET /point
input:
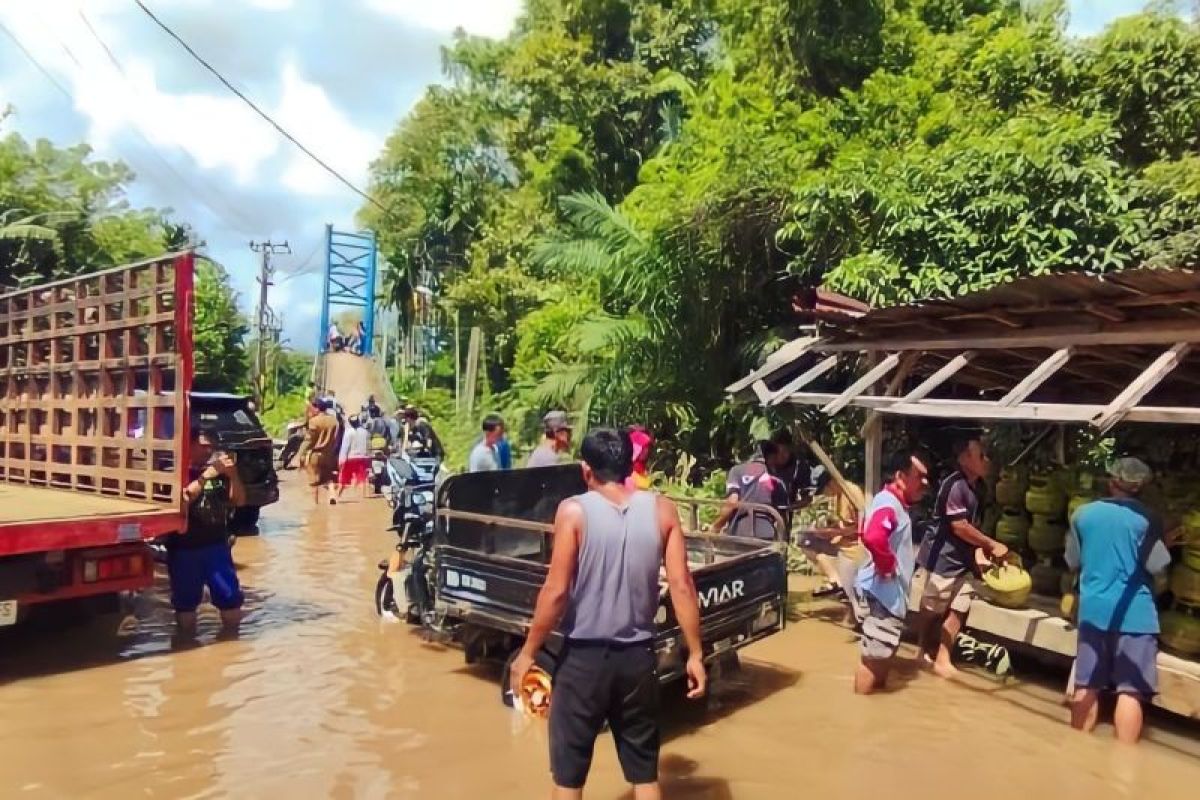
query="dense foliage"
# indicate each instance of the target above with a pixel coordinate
(625, 195)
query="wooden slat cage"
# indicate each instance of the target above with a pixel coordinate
(94, 376)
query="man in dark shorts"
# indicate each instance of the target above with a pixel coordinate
(948, 566)
(1117, 546)
(201, 556)
(885, 576)
(603, 587)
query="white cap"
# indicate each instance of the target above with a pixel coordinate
(1131, 473)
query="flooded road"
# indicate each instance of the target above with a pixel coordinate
(319, 698)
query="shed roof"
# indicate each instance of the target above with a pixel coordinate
(1074, 347)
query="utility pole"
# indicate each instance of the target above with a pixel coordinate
(264, 315)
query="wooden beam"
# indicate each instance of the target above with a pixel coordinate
(987, 409)
(907, 362)
(1141, 386)
(856, 497)
(787, 353)
(1104, 312)
(1144, 333)
(805, 378)
(1030, 383)
(938, 378)
(862, 384)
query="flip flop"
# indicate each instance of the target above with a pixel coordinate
(826, 589)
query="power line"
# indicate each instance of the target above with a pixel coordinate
(228, 206)
(45, 72)
(345, 181)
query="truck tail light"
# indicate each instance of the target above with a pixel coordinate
(113, 568)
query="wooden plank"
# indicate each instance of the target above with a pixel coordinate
(1143, 333)
(938, 378)
(862, 384)
(907, 362)
(1121, 405)
(805, 378)
(852, 492)
(1040, 375)
(780, 358)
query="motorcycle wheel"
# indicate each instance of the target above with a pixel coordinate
(385, 597)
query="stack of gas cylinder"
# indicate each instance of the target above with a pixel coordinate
(1033, 518)
(1181, 623)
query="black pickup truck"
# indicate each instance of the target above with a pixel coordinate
(493, 547)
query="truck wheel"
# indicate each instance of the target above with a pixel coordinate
(543, 659)
(245, 520)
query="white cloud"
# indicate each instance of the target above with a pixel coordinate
(306, 110)
(481, 17)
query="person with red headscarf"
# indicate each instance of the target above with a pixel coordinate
(642, 442)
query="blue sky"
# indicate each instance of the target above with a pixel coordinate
(338, 74)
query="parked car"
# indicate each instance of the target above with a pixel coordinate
(241, 434)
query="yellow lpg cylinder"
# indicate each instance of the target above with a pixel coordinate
(1191, 528)
(1045, 496)
(1191, 557)
(1008, 584)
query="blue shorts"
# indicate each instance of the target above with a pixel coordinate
(192, 569)
(1122, 662)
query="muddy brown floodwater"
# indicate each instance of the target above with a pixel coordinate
(319, 698)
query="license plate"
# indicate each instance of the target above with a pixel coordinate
(8, 612)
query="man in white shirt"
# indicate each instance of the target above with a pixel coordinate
(483, 454)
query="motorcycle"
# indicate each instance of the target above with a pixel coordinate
(295, 438)
(404, 589)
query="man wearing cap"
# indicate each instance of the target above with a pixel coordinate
(554, 448)
(1116, 544)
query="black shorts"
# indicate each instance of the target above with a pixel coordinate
(597, 683)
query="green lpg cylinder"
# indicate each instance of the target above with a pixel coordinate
(1012, 529)
(1047, 536)
(1047, 578)
(1010, 489)
(1185, 583)
(1180, 629)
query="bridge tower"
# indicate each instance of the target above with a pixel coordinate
(351, 260)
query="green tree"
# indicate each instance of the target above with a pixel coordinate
(219, 331)
(64, 212)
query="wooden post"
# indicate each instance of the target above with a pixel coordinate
(472, 376)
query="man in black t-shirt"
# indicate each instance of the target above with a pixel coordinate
(776, 476)
(201, 555)
(947, 562)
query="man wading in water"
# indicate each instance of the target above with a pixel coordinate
(603, 587)
(884, 578)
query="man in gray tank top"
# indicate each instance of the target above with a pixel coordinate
(602, 594)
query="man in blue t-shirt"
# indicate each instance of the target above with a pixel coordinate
(1116, 544)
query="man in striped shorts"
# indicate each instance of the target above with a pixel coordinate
(886, 573)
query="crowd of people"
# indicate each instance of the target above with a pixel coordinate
(337, 342)
(602, 591)
(338, 447)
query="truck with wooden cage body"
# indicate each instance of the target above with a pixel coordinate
(94, 378)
